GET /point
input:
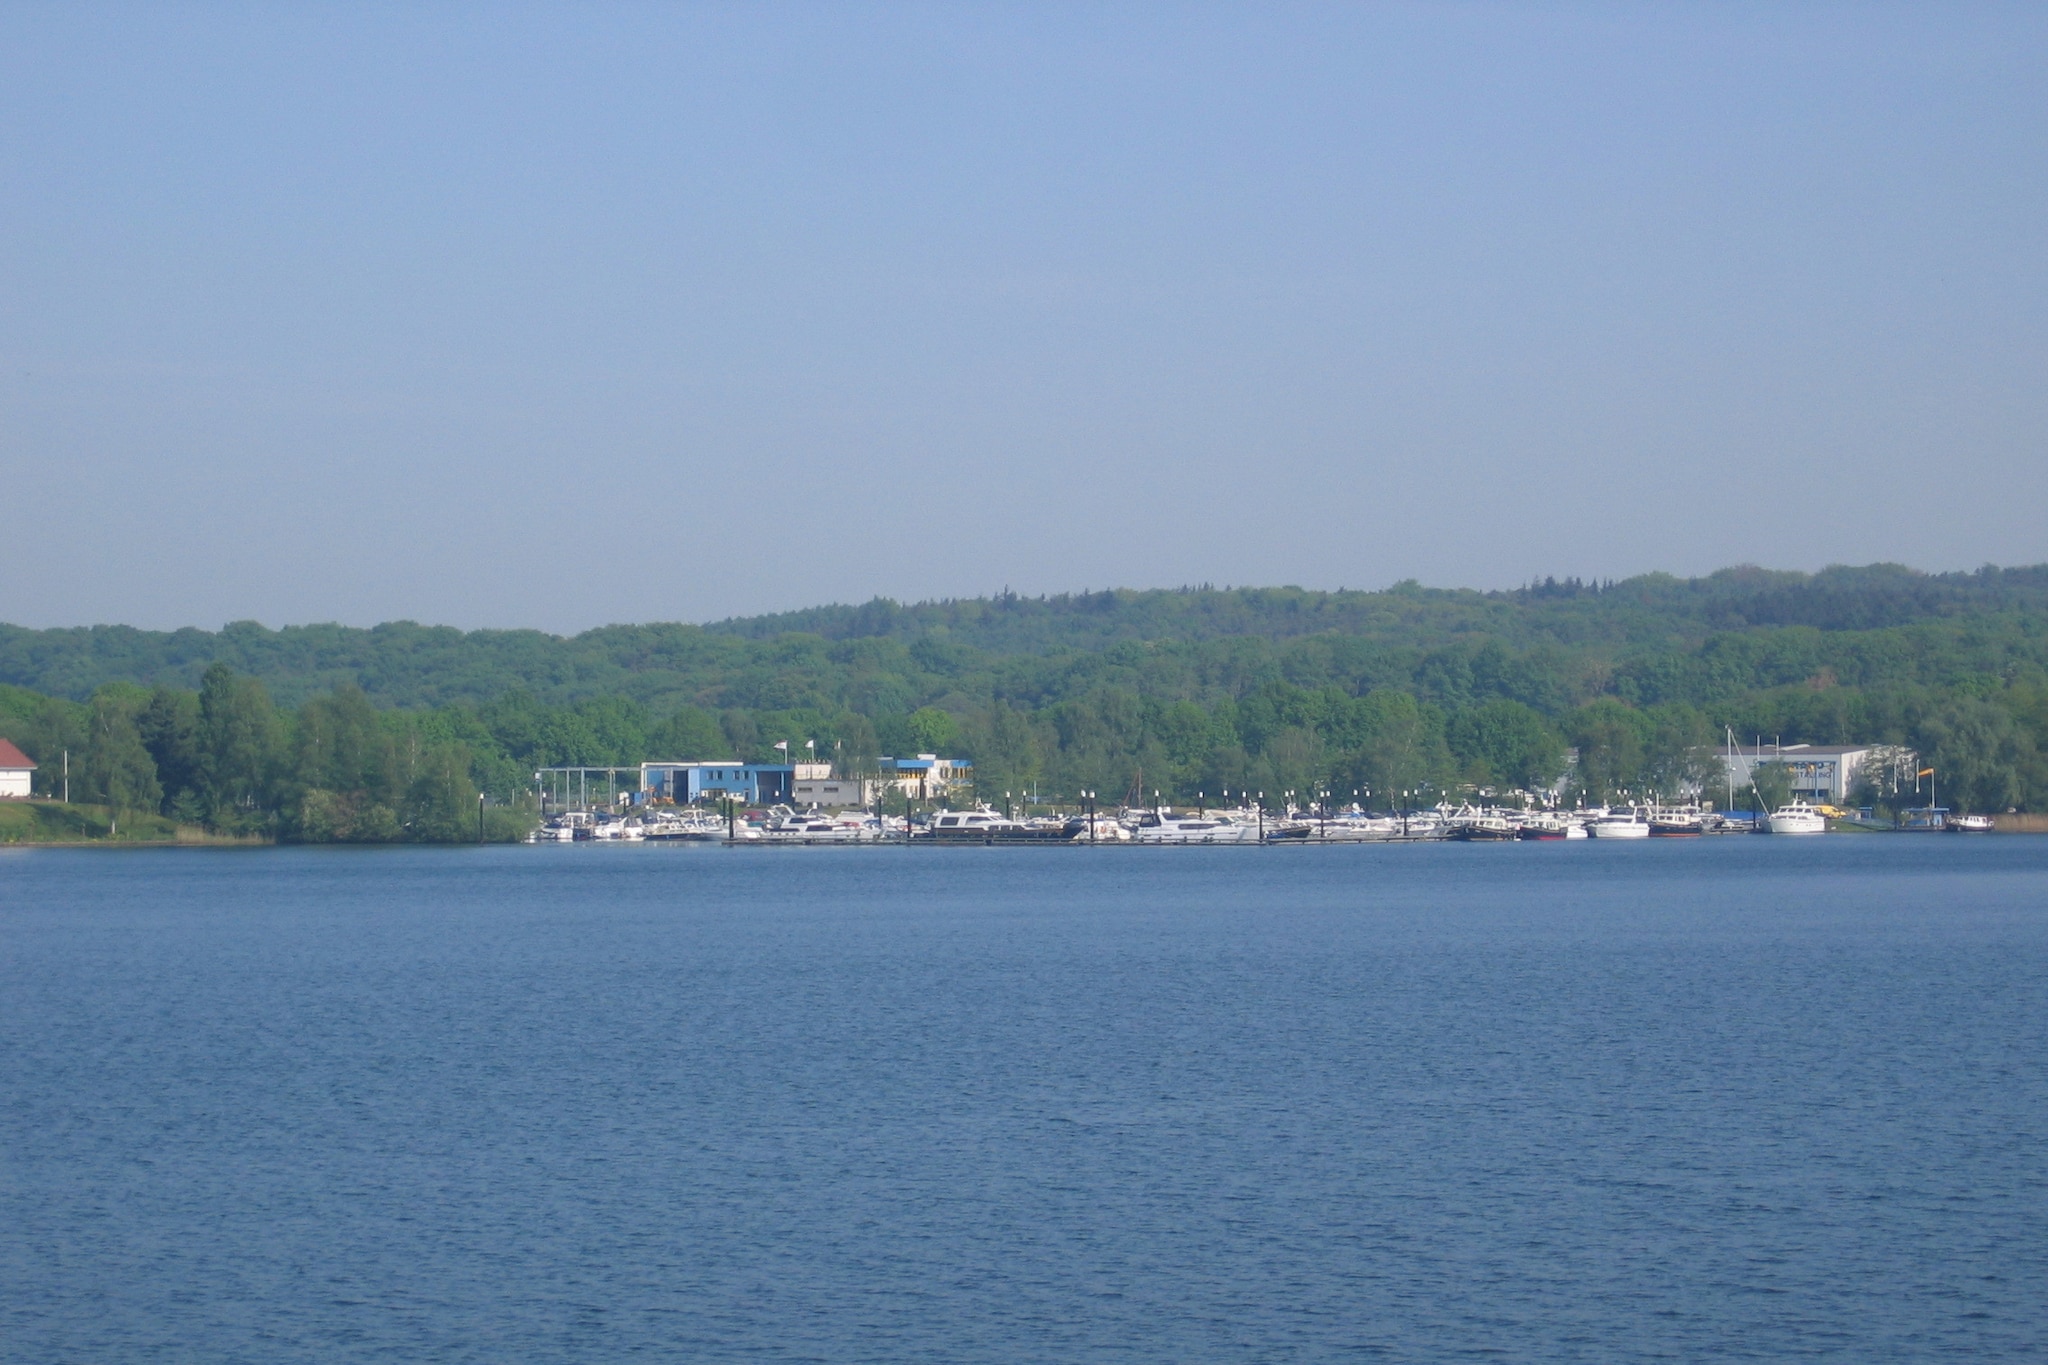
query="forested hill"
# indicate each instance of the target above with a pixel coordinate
(324, 732)
(1551, 645)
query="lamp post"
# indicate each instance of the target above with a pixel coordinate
(479, 817)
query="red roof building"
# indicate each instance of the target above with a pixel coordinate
(16, 768)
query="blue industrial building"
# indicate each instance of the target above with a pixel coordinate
(754, 784)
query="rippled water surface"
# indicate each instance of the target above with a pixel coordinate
(1731, 1099)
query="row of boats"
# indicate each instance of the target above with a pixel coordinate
(1163, 825)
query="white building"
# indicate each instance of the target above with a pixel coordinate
(1819, 772)
(17, 772)
(927, 777)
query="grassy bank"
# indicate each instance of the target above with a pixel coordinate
(55, 822)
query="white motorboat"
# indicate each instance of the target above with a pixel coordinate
(1970, 824)
(568, 827)
(1620, 824)
(1797, 818)
(686, 825)
(1164, 827)
(816, 827)
(986, 826)
(1359, 829)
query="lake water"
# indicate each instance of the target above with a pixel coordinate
(1729, 1099)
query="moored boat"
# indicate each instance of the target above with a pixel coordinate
(1164, 827)
(1797, 817)
(1676, 822)
(1620, 824)
(988, 827)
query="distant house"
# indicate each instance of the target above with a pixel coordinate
(17, 770)
(927, 776)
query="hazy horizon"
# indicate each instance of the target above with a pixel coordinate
(830, 604)
(549, 317)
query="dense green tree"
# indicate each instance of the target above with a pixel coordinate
(1770, 786)
(1979, 755)
(1506, 743)
(933, 731)
(441, 802)
(1611, 740)
(856, 749)
(1401, 752)
(742, 736)
(1678, 753)
(690, 733)
(169, 727)
(239, 742)
(115, 768)
(1007, 754)
(342, 745)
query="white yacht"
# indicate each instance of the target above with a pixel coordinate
(1797, 818)
(1164, 827)
(818, 827)
(1354, 828)
(986, 826)
(680, 825)
(1620, 824)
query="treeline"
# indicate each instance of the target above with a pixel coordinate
(338, 768)
(1552, 646)
(334, 770)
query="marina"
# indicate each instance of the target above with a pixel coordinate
(734, 825)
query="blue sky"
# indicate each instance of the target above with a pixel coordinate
(558, 316)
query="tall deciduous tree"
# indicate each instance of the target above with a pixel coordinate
(239, 739)
(440, 803)
(115, 768)
(1508, 743)
(1610, 739)
(1978, 753)
(169, 726)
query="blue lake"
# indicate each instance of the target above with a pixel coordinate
(1727, 1099)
